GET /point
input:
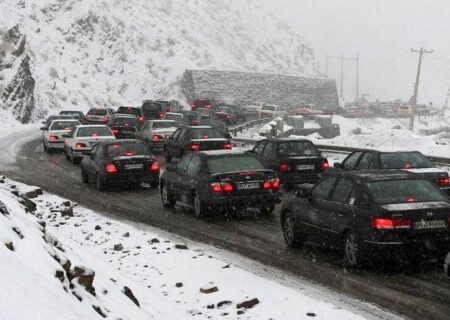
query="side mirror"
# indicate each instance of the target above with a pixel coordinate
(337, 165)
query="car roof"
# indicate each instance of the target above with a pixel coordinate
(124, 115)
(78, 111)
(162, 121)
(199, 127)
(376, 175)
(287, 139)
(92, 126)
(122, 141)
(212, 153)
(174, 113)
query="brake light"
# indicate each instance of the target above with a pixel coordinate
(105, 118)
(228, 187)
(67, 128)
(222, 186)
(205, 136)
(110, 167)
(194, 122)
(208, 106)
(381, 223)
(80, 145)
(228, 116)
(115, 131)
(161, 115)
(193, 105)
(130, 153)
(155, 166)
(443, 181)
(271, 184)
(156, 137)
(276, 183)
(141, 118)
(85, 117)
(267, 185)
(243, 173)
(226, 146)
(53, 138)
(216, 187)
(284, 167)
(325, 164)
(129, 108)
(170, 109)
(411, 200)
(195, 147)
(408, 166)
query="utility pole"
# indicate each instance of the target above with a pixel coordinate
(342, 58)
(416, 85)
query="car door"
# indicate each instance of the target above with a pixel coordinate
(188, 182)
(89, 161)
(171, 143)
(258, 149)
(267, 154)
(178, 182)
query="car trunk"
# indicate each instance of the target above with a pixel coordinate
(431, 174)
(90, 141)
(245, 182)
(223, 116)
(123, 131)
(163, 133)
(210, 144)
(133, 164)
(304, 164)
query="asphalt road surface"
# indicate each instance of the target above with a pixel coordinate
(418, 293)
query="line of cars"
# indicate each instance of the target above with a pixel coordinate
(373, 204)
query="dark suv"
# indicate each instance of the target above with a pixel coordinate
(201, 103)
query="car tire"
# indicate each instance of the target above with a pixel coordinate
(267, 209)
(198, 206)
(353, 250)
(84, 176)
(291, 233)
(166, 198)
(100, 183)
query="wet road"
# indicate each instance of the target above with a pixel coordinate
(418, 294)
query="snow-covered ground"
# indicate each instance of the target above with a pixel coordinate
(170, 277)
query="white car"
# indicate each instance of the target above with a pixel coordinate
(82, 138)
(53, 136)
(99, 115)
(271, 111)
(447, 266)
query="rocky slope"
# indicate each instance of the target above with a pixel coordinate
(73, 54)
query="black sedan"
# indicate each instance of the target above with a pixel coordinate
(121, 162)
(195, 138)
(296, 161)
(124, 126)
(412, 161)
(377, 213)
(220, 181)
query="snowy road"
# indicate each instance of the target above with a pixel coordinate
(414, 293)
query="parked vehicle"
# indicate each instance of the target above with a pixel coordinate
(270, 111)
(296, 161)
(99, 115)
(215, 182)
(201, 103)
(178, 117)
(412, 161)
(156, 132)
(51, 118)
(196, 138)
(123, 126)
(53, 136)
(82, 138)
(120, 163)
(77, 115)
(377, 214)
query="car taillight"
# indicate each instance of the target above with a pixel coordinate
(194, 122)
(141, 118)
(228, 116)
(284, 167)
(155, 166)
(195, 147)
(382, 223)
(222, 187)
(67, 128)
(130, 153)
(443, 181)
(110, 167)
(105, 118)
(244, 173)
(208, 106)
(156, 137)
(80, 145)
(53, 138)
(411, 200)
(95, 134)
(161, 115)
(192, 105)
(325, 164)
(271, 184)
(408, 166)
(115, 131)
(85, 117)
(226, 146)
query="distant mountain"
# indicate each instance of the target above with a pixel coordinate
(74, 54)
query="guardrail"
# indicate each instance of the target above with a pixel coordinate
(249, 125)
(441, 161)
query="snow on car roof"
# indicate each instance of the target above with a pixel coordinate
(199, 127)
(221, 152)
(92, 126)
(162, 121)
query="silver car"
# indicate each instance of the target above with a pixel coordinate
(155, 132)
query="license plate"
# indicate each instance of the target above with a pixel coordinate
(127, 132)
(134, 166)
(433, 224)
(247, 186)
(302, 167)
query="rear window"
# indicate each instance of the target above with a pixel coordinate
(269, 108)
(64, 125)
(97, 112)
(404, 191)
(73, 114)
(173, 116)
(165, 125)
(234, 163)
(205, 133)
(200, 103)
(94, 132)
(126, 122)
(149, 109)
(131, 149)
(128, 110)
(164, 103)
(297, 149)
(404, 160)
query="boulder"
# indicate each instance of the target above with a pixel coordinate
(33, 193)
(248, 304)
(127, 291)
(66, 210)
(181, 246)
(208, 290)
(118, 247)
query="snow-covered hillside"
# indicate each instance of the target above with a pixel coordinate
(89, 52)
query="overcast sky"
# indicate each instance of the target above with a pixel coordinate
(382, 32)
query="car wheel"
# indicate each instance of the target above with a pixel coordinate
(353, 250)
(166, 197)
(199, 206)
(84, 176)
(100, 183)
(291, 232)
(267, 209)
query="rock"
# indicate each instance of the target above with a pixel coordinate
(210, 306)
(227, 266)
(248, 304)
(311, 314)
(240, 312)
(209, 290)
(3, 209)
(66, 203)
(118, 247)
(60, 275)
(85, 278)
(181, 246)
(126, 235)
(178, 284)
(66, 211)
(154, 240)
(33, 193)
(127, 291)
(66, 265)
(224, 303)
(97, 227)
(18, 232)
(10, 246)
(30, 206)
(99, 311)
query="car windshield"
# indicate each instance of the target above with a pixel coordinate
(164, 103)
(127, 149)
(404, 191)
(165, 124)
(128, 110)
(94, 132)
(269, 108)
(97, 112)
(73, 114)
(404, 160)
(64, 125)
(126, 122)
(205, 133)
(297, 148)
(233, 163)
